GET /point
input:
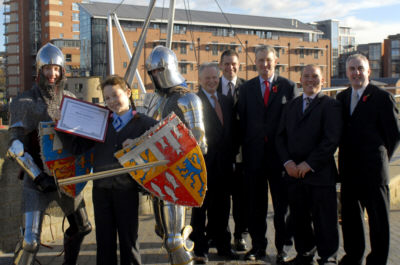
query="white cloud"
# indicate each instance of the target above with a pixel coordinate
(367, 31)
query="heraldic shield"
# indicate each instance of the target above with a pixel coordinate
(183, 180)
(60, 161)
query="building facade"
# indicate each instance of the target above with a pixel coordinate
(391, 67)
(342, 42)
(203, 39)
(374, 53)
(28, 26)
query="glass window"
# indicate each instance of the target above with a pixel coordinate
(68, 57)
(301, 51)
(75, 16)
(214, 50)
(46, 2)
(76, 37)
(134, 43)
(95, 100)
(75, 27)
(125, 64)
(60, 3)
(183, 68)
(61, 24)
(316, 54)
(61, 35)
(75, 7)
(183, 48)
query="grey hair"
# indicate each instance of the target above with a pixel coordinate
(265, 48)
(360, 56)
(207, 65)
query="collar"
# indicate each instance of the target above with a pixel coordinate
(359, 91)
(123, 119)
(271, 79)
(226, 81)
(312, 96)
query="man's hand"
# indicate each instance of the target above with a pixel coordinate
(304, 168)
(292, 169)
(45, 183)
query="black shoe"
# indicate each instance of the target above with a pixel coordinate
(240, 245)
(228, 254)
(282, 258)
(255, 254)
(200, 259)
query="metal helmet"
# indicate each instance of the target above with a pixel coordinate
(164, 59)
(49, 54)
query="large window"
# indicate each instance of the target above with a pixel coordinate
(75, 16)
(75, 7)
(183, 48)
(68, 57)
(75, 27)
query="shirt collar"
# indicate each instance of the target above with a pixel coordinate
(124, 118)
(226, 81)
(312, 96)
(359, 91)
(271, 79)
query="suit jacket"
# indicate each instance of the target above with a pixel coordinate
(258, 124)
(235, 129)
(370, 136)
(219, 140)
(312, 136)
(239, 82)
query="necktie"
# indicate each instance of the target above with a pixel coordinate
(218, 109)
(117, 123)
(354, 100)
(230, 92)
(308, 102)
(266, 93)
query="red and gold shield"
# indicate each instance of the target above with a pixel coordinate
(183, 180)
(59, 161)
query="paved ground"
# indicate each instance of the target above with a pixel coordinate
(152, 253)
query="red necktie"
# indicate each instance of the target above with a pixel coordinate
(218, 109)
(266, 93)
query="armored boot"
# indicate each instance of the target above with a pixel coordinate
(26, 249)
(79, 227)
(176, 242)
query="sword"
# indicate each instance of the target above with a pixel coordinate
(105, 174)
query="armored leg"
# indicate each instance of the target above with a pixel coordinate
(176, 242)
(79, 227)
(26, 250)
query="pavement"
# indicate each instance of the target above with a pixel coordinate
(152, 252)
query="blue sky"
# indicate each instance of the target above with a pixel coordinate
(371, 20)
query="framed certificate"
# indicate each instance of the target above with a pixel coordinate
(83, 119)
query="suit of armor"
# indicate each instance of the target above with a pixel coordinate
(41, 103)
(172, 95)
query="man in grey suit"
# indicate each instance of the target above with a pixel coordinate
(307, 139)
(370, 137)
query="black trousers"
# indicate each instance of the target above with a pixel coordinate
(376, 200)
(116, 212)
(214, 213)
(239, 201)
(314, 209)
(257, 189)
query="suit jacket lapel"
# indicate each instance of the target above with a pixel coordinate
(208, 108)
(274, 90)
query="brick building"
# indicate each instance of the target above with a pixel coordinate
(31, 24)
(202, 39)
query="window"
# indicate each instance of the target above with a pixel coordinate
(75, 16)
(191, 47)
(125, 64)
(214, 50)
(46, 13)
(61, 35)
(78, 88)
(61, 24)
(75, 27)
(60, 13)
(46, 2)
(134, 43)
(60, 3)
(95, 100)
(76, 37)
(183, 48)
(183, 68)
(75, 7)
(68, 57)
(316, 54)
(301, 51)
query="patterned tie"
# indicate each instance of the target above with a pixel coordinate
(308, 102)
(218, 109)
(354, 100)
(266, 93)
(230, 92)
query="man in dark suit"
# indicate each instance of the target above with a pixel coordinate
(307, 139)
(217, 111)
(260, 105)
(370, 137)
(229, 84)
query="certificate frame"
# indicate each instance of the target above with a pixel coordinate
(85, 113)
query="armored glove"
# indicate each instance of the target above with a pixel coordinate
(45, 183)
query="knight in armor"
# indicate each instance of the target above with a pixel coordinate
(172, 94)
(41, 103)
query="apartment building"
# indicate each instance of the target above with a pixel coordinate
(202, 39)
(391, 62)
(31, 24)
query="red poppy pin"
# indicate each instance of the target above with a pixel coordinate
(274, 89)
(365, 98)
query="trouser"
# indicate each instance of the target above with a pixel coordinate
(116, 213)
(376, 200)
(239, 202)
